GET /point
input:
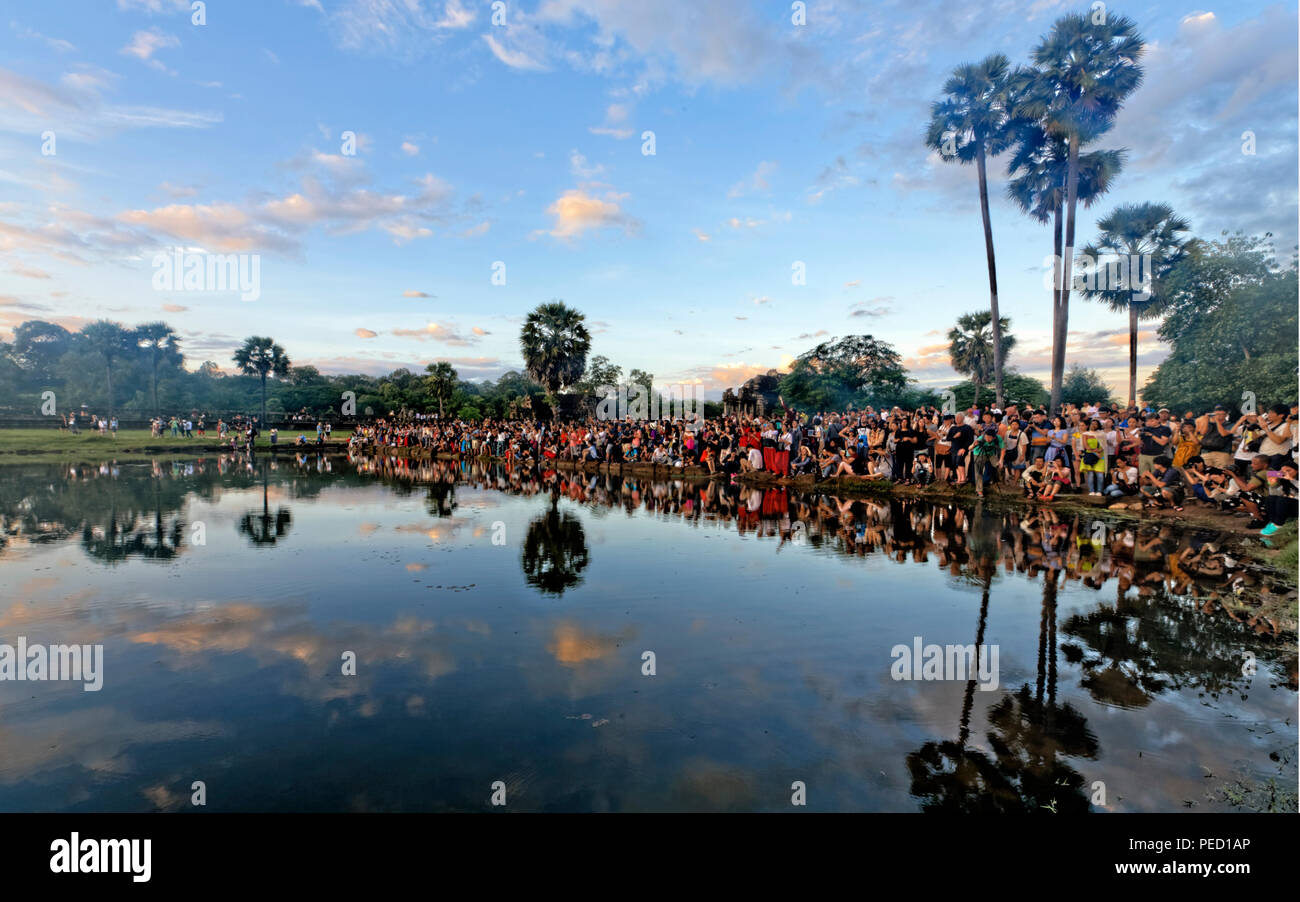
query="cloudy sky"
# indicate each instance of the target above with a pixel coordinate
(518, 148)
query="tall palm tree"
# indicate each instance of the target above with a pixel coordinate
(262, 357)
(1130, 232)
(972, 350)
(112, 342)
(970, 124)
(1038, 170)
(441, 382)
(162, 344)
(555, 342)
(1084, 69)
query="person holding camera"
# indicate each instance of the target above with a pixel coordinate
(1155, 438)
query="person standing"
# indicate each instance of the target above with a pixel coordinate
(961, 436)
(1155, 440)
(987, 456)
(1092, 458)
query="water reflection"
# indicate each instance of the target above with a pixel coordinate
(555, 551)
(264, 528)
(776, 622)
(1029, 737)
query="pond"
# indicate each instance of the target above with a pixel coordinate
(329, 634)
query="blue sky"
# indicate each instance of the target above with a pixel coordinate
(521, 142)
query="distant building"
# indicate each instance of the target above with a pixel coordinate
(756, 398)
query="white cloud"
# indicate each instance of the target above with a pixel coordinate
(405, 27)
(144, 44)
(576, 211)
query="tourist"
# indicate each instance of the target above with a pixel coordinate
(1162, 485)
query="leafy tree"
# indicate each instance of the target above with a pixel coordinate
(843, 371)
(1020, 389)
(37, 347)
(972, 349)
(600, 371)
(262, 357)
(1208, 276)
(1243, 341)
(641, 377)
(971, 123)
(1082, 386)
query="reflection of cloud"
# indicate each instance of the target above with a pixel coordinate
(275, 634)
(97, 740)
(570, 645)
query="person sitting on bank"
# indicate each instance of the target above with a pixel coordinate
(805, 463)
(922, 468)
(753, 461)
(1034, 478)
(1163, 485)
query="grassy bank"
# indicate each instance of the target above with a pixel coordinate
(54, 444)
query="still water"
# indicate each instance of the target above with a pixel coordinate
(500, 622)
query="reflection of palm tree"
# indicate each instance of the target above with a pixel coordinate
(555, 551)
(1027, 736)
(265, 528)
(128, 536)
(440, 498)
(128, 533)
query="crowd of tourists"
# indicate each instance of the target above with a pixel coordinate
(1136, 457)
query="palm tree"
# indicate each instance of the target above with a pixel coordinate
(1083, 71)
(1038, 170)
(441, 382)
(262, 357)
(161, 343)
(112, 342)
(555, 342)
(972, 350)
(1130, 232)
(970, 124)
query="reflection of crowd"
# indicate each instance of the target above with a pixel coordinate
(1148, 559)
(1130, 457)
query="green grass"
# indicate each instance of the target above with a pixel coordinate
(24, 444)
